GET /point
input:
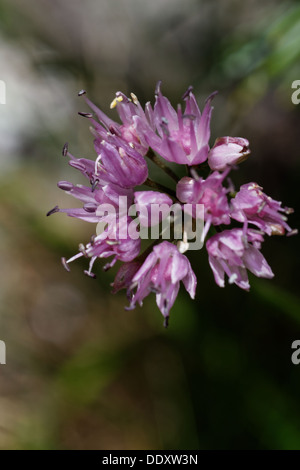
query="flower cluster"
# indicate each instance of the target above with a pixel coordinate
(234, 223)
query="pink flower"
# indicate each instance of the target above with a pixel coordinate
(211, 193)
(109, 243)
(233, 252)
(92, 199)
(161, 273)
(124, 276)
(135, 121)
(182, 137)
(120, 164)
(113, 195)
(228, 151)
(252, 205)
(145, 203)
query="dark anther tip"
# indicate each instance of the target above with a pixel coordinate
(92, 275)
(86, 115)
(187, 93)
(81, 92)
(106, 267)
(166, 322)
(211, 96)
(65, 264)
(65, 149)
(157, 89)
(55, 209)
(65, 185)
(90, 207)
(94, 184)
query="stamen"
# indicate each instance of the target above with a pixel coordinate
(65, 185)
(78, 255)
(183, 244)
(187, 93)
(277, 229)
(94, 184)
(261, 207)
(90, 207)
(52, 211)
(191, 117)
(65, 265)
(113, 242)
(122, 152)
(211, 96)
(65, 149)
(81, 92)
(245, 228)
(114, 131)
(166, 322)
(154, 290)
(86, 115)
(92, 275)
(82, 249)
(157, 89)
(206, 228)
(98, 159)
(134, 98)
(89, 272)
(164, 126)
(107, 266)
(232, 278)
(115, 101)
(194, 174)
(75, 164)
(292, 232)
(288, 210)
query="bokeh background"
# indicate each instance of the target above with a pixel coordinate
(81, 372)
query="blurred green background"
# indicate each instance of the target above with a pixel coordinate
(81, 372)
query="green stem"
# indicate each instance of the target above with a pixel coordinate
(160, 187)
(152, 156)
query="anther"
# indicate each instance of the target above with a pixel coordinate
(65, 264)
(90, 207)
(211, 96)
(292, 232)
(106, 267)
(262, 206)
(86, 115)
(288, 210)
(134, 98)
(65, 149)
(191, 117)
(94, 184)
(65, 185)
(115, 101)
(81, 92)
(82, 250)
(92, 275)
(157, 89)
(187, 93)
(77, 165)
(52, 211)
